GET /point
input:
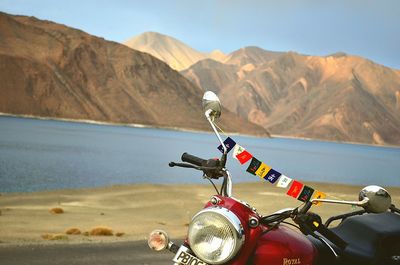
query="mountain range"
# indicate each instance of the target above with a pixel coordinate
(170, 50)
(51, 70)
(336, 97)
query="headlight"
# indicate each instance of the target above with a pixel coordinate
(215, 235)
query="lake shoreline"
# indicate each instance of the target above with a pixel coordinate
(131, 125)
(137, 125)
(132, 211)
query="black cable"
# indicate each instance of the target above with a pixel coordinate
(279, 217)
(291, 224)
(271, 228)
(223, 185)
(215, 187)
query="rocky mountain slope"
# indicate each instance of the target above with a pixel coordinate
(336, 97)
(170, 50)
(51, 70)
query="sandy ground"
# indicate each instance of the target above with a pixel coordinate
(135, 210)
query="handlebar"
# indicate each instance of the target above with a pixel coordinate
(193, 159)
(212, 168)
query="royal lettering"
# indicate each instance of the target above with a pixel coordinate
(291, 261)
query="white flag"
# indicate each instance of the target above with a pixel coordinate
(237, 150)
(283, 181)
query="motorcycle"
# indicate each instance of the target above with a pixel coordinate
(230, 231)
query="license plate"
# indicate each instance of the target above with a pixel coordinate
(185, 258)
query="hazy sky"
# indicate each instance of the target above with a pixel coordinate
(369, 28)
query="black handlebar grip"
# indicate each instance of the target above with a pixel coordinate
(193, 159)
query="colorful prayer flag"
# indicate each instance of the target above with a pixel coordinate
(254, 165)
(263, 170)
(229, 143)
(272, 176)
(295, 189)
(237, 150)
(244, 156)
(318, 195)
(283, 181)
(306, 194)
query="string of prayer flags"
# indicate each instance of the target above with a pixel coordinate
(272, 176)
(263, 170)
(295, 189)
(319, 195)
(237, 150)
(283, 181)
(306, 194)
(243, 157)
(256, 167)
(229, 144)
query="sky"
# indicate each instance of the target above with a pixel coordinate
(367, 28)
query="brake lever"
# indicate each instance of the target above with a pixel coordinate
(186, 165)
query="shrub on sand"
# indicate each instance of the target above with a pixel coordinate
(73, 231)
(119, 234)
(54, 237)
(47, 236)
(101, 231)
(56, 210)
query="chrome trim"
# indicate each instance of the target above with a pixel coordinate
(253, 222)
(215, 200)
(233, 221)
(228, 191)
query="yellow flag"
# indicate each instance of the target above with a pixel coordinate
(318, 195)
(263, 170)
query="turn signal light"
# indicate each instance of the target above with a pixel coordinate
(158, 240)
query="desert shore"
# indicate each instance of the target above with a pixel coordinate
(132, 211)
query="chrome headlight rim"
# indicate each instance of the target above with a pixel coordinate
(236, 227)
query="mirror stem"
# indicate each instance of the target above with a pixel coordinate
(207, 114)
(357, 203)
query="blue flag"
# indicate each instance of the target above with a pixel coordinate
(272, 176)
(229, 143)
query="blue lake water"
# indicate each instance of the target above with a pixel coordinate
(44, 155)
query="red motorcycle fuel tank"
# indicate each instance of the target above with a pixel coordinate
(284, 246)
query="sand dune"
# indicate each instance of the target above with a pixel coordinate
(135, 210)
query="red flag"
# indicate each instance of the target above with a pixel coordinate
(244, 156)
(295, 189)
